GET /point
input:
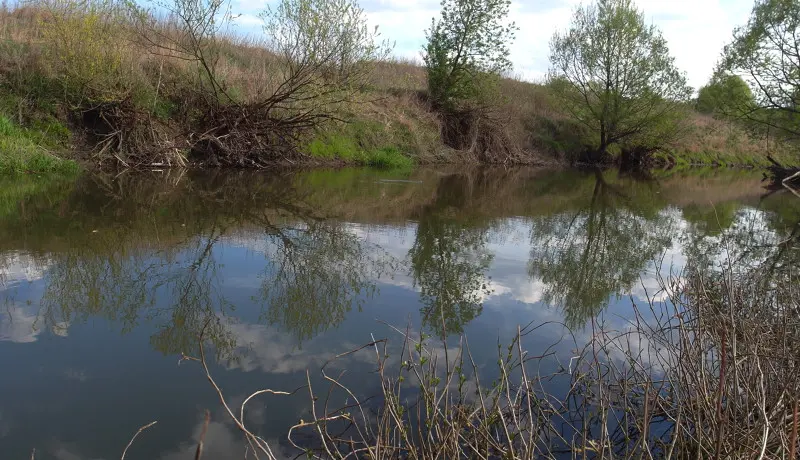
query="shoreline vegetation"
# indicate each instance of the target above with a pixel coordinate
(111, 84)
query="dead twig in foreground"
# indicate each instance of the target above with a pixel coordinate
(133, 438)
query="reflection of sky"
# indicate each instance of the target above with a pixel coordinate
(86, 392)
(20, 321)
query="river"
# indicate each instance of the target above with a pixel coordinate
(106, 280)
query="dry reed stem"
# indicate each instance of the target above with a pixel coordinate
(139, 431)
(256, 443)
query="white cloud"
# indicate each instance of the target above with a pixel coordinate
(270, 350)
(20, 322)
(267, 349)
(17, 267)
(222, 440)
(20, 325)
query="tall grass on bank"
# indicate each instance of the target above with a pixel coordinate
(712, 372)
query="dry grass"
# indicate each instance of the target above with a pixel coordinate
(400, 75)
(393, 100)
(708, 140)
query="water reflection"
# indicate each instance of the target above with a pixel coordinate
(763, 239)
(277, 267)
(588, 255)
(147, 248)
(449, 260)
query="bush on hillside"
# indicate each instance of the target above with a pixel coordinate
(725, 95)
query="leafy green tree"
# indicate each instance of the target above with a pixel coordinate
(623, 83)
(467, 50)
(323, 43)
(765, 52)
(725, 95)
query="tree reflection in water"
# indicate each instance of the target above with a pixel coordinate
(157, 260)
(147, 247)
(590, 254)
(449, 260)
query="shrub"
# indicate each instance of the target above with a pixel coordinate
(84, 45)
(725, 95)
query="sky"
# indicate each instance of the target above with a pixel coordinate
(695, 29)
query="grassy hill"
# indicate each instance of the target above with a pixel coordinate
(78, 83)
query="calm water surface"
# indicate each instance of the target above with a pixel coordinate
(105, 281)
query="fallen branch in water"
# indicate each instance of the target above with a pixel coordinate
(780, 175)
(202, 440)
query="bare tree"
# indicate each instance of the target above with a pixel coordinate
(191, 33)
(324, 51)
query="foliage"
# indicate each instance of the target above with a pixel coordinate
(339, 147)
(765, 53)
(193, 35)
(314, 271)
(151, 101)
(584, 257)
(316, 276)
(725, 95)
(467, 50)
(711, 220)
(623, 84)
(82, 47)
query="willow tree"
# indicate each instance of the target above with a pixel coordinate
(765, 53)
(621, 81)
(467, 49)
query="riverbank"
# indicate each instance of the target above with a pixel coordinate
(78, 86)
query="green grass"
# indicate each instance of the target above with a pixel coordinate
(22, 152)
(387, 158)
(709, 158)
(339, 147)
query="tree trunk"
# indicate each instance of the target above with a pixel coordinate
(600, 153)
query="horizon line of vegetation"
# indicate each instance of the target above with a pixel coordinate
(155, 83)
